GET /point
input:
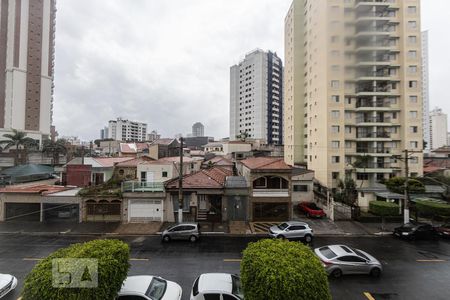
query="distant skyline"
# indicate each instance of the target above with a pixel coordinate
(167, 63)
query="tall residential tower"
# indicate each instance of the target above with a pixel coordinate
(353, 89)
(256, 97)
(27, 43)
(438, 129)
(425, 92)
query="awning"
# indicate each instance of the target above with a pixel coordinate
(389, 195)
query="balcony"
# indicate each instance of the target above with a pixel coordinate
(374, 91)
(373, 136)
(270, 193)
(373, 121)
(376, 167)
(369, 150)
(375, 76)
(378, 105)
(144, 187)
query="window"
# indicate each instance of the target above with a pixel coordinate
(335, 53)
(335, 129)
(414, 160)
(335, 98)
(414, 145)
(348, 129)
(362, 176)
(412, 39)
(335, 159)
(335, 175)
(413, 99)
(413, 129)
(228, 297)
(335, 144)
(335, 114)
(211, 296)
(335, 84)
(412, 24)
(300, 188)
(348, 144)
(412, 69)
(412, 54)
(413, 114)
(335, 68)
(164, 174)
(413, 84)
(412, 10)
(351, 258)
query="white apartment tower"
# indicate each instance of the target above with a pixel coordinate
(425, 92)
(27, 43)
(353, 94)
(256, 97)
(438, 129)
(125, 130)
(198, 129)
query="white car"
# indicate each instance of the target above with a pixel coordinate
(217, 286)
(147, 287)
(7, 284)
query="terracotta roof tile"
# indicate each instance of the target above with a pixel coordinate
(134, 162)
(110, 161)
(35, 189)
(266, 163)
(213, 178)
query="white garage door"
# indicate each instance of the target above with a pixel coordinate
(141, 211)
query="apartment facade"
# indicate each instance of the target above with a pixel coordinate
(125, 130)
(353, 89)
(256, 97)
(198, 129)
(425, 92)
(27, 44)
(438, 129)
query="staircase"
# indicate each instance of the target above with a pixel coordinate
(202, 215)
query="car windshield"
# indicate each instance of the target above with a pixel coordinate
(359, 253)
(156, 289)
(237, 289)
(446, 226)
(283, 226)
(327, 252)
(313, 206)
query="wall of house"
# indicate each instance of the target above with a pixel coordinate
(236, 147)
(78, 175)
(157, 170)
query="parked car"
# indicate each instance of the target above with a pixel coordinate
(311, 210)
(182, 231)
(7, 284)
(340, 260)
(147, 287)
(217, 286)
(413, 231)
(444, 230)
(292, 230)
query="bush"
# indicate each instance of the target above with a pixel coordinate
(280, 270)
(113, 265)
(383, 208)
(431, 208)
(397, 185)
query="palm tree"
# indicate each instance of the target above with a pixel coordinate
(18, 140)
(55, 149)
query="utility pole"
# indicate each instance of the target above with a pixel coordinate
(180, 184)
(406, 205)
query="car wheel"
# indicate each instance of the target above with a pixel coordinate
(375, 272)
(192, 238)
(166, 238)
(281, 237)
(308, 238)
(336, 273)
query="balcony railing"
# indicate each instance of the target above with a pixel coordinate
(270, 193)
(372, 104)
(371, 89)
(377, 165)
(385, 135)
(373, 150)
(373, 120)
(137, 186)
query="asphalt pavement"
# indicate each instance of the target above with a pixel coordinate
(412, 270)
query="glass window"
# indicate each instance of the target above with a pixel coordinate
(413, 99)
(412, 69)
(300, 188)
(335, 144)
(211, 296)
(413, 114)
(335, 98)
(412, 54)
(335, 129)
(412, 39)
(335, 84)
(412, 10)
(156, 289)
(335, 159)
(335, 114)
(236, 287)
(327, 252)
(412, 24)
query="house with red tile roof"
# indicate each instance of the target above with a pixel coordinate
(269, 179)
(203, 195)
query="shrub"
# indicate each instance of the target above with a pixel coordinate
(383, 208)
(431, 208)
(397, 185)
(280, 270)
(113, 265)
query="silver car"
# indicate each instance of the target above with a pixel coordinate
(292, 230)
(182, 231)
(340, 259)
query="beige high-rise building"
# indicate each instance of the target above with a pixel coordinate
(353, 90)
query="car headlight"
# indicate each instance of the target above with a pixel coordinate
(405, 233)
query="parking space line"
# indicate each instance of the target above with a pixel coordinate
(431, 260)
(369, 296)
(139, 259)
(32, 259)
(232, 260)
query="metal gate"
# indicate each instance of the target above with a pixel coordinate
(237, 208)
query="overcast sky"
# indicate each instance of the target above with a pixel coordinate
(167, 63)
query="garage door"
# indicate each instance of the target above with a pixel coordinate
(141, 211)
(270, 212)
(23, 212)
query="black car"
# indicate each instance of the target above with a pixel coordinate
(416, 231)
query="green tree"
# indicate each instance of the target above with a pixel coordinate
(55, 149)
(397, 185)
(111, 257)
(280, 270)
(346, 192)
(18, 140)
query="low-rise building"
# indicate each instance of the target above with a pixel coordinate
(164, 148)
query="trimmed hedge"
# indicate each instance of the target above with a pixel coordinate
(281, 270)
(113, 265)
(383, 208)
(431, 208)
